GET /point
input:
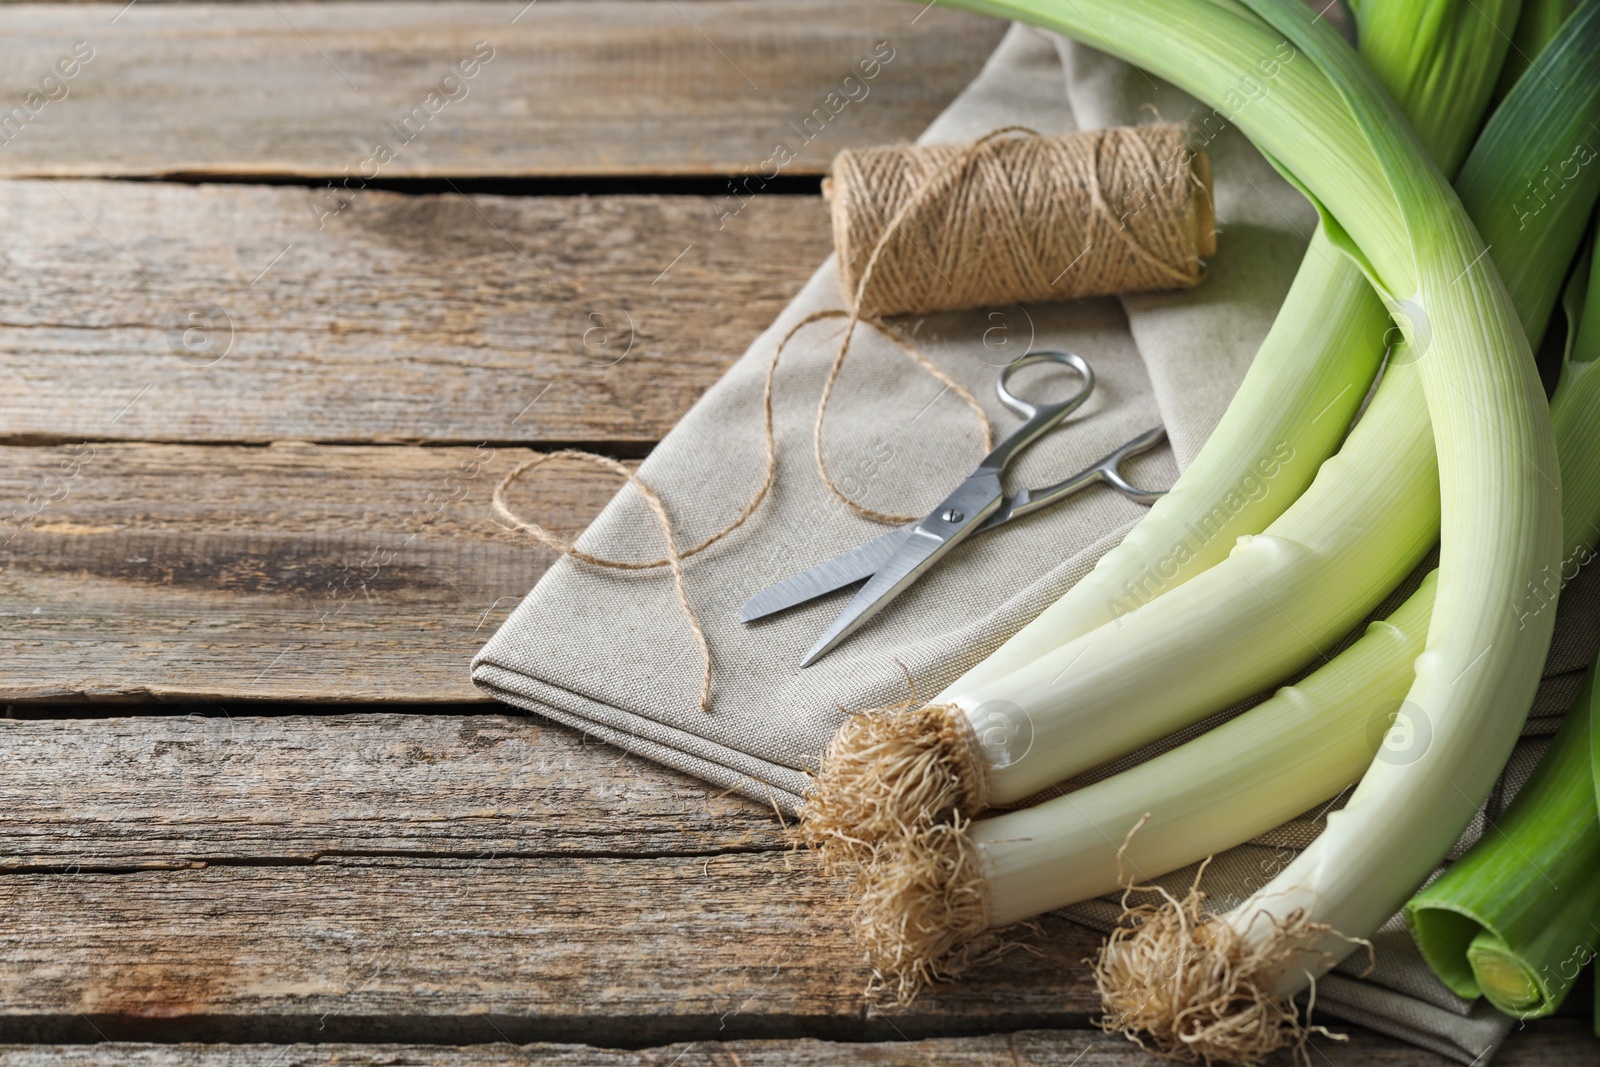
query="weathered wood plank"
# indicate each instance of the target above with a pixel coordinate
(170, 791)
(636, 866)
(597, 87)
(1545, 1044)
(294, 571)
(654, 908)
(585, 892)
(224, 313)
(560, 949)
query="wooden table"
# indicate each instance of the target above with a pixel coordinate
(258, 385)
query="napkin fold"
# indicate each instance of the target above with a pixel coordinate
(609, 652)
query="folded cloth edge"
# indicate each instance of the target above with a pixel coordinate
(752, 777)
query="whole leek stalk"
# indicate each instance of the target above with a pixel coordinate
(1517, 917)
(1339, 136)
(1315, 365)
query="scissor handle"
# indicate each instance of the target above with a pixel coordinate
(1107, 468)
(1110, 468)
(1040, 417)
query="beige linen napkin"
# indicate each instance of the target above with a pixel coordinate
(609, 652)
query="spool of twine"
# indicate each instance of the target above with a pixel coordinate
(1013, 216)
(1008, 219)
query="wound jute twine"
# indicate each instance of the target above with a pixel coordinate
(1013, 216)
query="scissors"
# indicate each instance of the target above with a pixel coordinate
(892, 562)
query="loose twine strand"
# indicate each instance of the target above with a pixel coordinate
(1000, 214)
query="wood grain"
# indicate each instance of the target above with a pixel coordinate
(598, 87)
(427, 878)
(225, 314)
(565, 949)
(1544, 1044)
(168, 791)
(294, 571)
(468, 878)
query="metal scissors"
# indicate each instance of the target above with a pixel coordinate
(892, 562)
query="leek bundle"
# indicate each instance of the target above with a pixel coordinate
(924, 893)
(1500, 529)
(1217, 985)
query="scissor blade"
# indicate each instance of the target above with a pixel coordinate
(973, 501)
(898, 572)
(832, 574)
